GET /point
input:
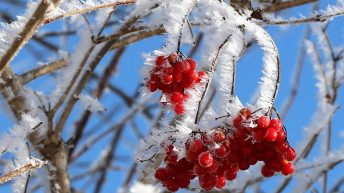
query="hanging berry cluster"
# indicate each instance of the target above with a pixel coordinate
(173, 75)
(217, 156)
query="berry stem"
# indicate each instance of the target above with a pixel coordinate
(185, 19)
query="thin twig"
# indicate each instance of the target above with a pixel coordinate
(89, 9)
(312, 19)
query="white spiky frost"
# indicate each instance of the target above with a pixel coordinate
(14, 142)
(91, 104)
(9, 32)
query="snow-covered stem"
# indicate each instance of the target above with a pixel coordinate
(88, 9)
(35, 163)
(42, 70)
(311, 19)
(209, 75)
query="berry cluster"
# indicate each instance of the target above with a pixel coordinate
(217, 156)
(261, 139)
(173, 75)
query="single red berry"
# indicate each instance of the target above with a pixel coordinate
(205, 159)
(263, 122)
(237, 122)
(176, 97)
(197, 146)
(275, 165)
(267, 171)
(258, 134)
(171, 185)
(281, 135)
(159, 60)
(230, 174)
(178, 67)
(243, 164)
(167, 78)
(245, 113)
(270, 134)
(172, 58)
(191, 62)
(287, 168)
(213, 168)
(186, 66)
(281, 146)
(221, 151)
(199, 170)
(152, 86)
(208, 182)
(219, 136)
(246, 150)
(167, 71)
(182, 180)
(233, 157)
(221, 182)
(177, 77)
(160, 174)
(179, 108)
(276, 123)
(289, 154)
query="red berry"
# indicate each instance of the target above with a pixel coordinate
(221, 182)
(192, 63)
(177, 76)
(263, 122)
(197, 145)
(186, 67)
(219, 136)
(258, 134)
(199, 170)
(287, 168)
(167, 71)
(276, 123)
(179, 108)
(243, 164)
(230, 174)
(205, 159)
(289, 154)
(213, 168)
(172, 58)
(176, 97)
(246, 150)
(167, 78)
(270, 134)
(152, 86)
(159, 60)
(281, 146)
(171, 185)
(281, 135)
(208, 182)
(267, 171)
(221, 151)
(160, 174)
(245, 113)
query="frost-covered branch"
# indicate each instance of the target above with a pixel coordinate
(35, 163)
(30, 26)
(311, 19)
(87, 9)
